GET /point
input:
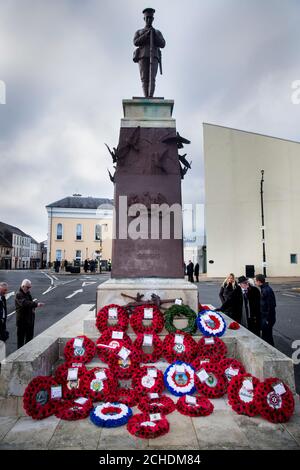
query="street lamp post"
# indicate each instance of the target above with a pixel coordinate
(263, 221)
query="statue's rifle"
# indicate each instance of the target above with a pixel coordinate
(151, 61)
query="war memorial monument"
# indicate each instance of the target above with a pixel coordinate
(146, 319)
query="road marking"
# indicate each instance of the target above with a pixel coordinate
(68, 282)
(49, 277)
(289, 295)
(10, 294)
(74, 293)
(93, 308)
(10, 314)
(56, 278)
(49, 289)
(87, 283)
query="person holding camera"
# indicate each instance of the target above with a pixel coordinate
(25, 313)
(4, 334)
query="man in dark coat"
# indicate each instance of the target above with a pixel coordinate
(244, 304)
(190, 271)
(197, 272)
(142, 40)
(267, 308)
(3, 311)
(25, 313)
(86, 265)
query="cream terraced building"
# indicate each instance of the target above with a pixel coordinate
(79, 228)
(233, 161)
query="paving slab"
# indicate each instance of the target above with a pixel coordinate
(30, 434)
(181, 436)
(263, 435)
(219, 431)
(293, 425)
(6, 423)
(81, 434)
(120, 439)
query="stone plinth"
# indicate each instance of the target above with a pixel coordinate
(110, 291)
(145, 112)
(147, 193)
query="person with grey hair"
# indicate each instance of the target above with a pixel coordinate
(4, 334)
(25, 313)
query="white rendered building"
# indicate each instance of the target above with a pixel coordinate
(233, 162)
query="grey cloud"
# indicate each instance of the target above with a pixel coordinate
(68, 65)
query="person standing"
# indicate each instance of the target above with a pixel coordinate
(244, 305)
(4, 334)
(251, 306)
(92, 266)
(227, 287)
(267, 308)
(190, 271)
(148, 55)
(57, 266)
(197, 272)
(25, 313)
(86, 265)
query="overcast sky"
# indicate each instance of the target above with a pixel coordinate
(67, 65)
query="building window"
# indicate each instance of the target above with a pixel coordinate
(294, 259)
(98, 232)
(58, 255)
(79, 232)
(78, 255)
(59, 232)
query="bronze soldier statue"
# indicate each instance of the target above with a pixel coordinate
(148, 41)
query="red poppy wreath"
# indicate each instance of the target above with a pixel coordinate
(242, 394)
(37, 401)
(210, 381)
(231, 367)
(80, 349)
(70, 375)
(275, 400)
(147, 319)
(200, 360)
(124, 363)
(179, 346)
(112, 315)
(71, 410)
(111, 341)
(194, 406)
(127, 396)
(142, 425)
(148, 380)
(154, 403)
(212, 347)
(149, 341)
(99, 384)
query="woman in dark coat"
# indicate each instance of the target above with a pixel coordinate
(227, 287)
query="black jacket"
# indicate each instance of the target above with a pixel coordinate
(190, 269)
(197, 269)
(235, 304)
(267, 305)
(3, 318)
(25, 307)
(226, 291)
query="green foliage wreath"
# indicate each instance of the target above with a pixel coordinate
(180, 311)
